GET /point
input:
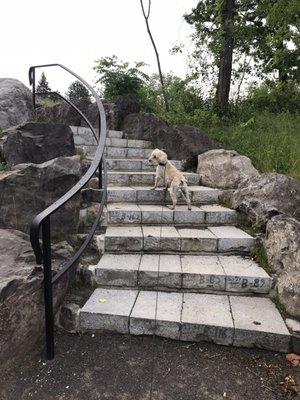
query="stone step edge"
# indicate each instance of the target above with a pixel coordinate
(149, 238)
(223, 319)
(177, 278)
(143, 195)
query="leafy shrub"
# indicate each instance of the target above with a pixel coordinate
(118, 78)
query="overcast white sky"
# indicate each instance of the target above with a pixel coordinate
(77, 32)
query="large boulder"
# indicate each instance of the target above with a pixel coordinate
(125, 105)
(282, 245)
(181, 142)
(225, 169)
(15, 103)
(30, 188)
(92, 114)
(36, 143)
(268, 195)
(21, 294)
(61, 112)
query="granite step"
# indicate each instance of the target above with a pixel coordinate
(129, 213)
(86, 132)
(128, 178)
(241, 321)
(166, 239)
(112, 142)
(143, 195)
(181, 272)
(115, 152)
(122, 164)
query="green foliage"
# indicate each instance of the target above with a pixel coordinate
(44, 87)
(78, 93)
(266, 39)
(280, 307)
(273, 97)
(260, 256)
(118, 77)
(272, 141)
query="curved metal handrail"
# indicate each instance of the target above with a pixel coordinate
(43, 255)
(37, 221)
(73, 106)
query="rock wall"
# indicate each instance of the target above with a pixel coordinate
(181, 142)
(282, 244)
(29, 188)
(36, 143)
(271, 204)
(21, 295)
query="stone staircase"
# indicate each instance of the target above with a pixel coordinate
(181, 274)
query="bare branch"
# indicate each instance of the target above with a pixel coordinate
(146, 17)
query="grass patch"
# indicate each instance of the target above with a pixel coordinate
(280, 307)
(271, 141)
(259, 255)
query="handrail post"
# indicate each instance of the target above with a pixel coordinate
(33, 88)
(100, 184)
(48, 296)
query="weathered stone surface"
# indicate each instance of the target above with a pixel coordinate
(21, 294)
(15, 103)
(118, 270)
(258, 324)
(244, 275)
(282, 244)
(60, 113)
(266, 196)
(225, 169)
(231, 238)
(208, 318)
(127, 104)
(115, 111)
(156, 312)
(69, 317)
(108, 309)
(202, 272)
(160, 270)
(30, 188)
(36, 143)
(196, 240)
(181, 142)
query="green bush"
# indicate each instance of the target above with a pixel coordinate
(272, 141)
(118, 78)
(273, 97)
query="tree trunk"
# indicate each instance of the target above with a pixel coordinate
(225, 63)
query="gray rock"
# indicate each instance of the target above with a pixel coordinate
(69, 317)
(225, 169)
(266, 196)
(125, 105)
(36, 143)
(92, 115)
(60, 113)
(15, 103)
(21, 294)
(30, 188)
(282, 244)
(181, 142)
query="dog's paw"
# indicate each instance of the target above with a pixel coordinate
(153, 188)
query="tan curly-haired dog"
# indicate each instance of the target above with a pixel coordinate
(170, 176)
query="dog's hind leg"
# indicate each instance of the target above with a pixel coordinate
(186, 195)
(173, 197)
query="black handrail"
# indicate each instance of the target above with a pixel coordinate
(43, 254)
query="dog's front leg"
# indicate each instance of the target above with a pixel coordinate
(155, 183)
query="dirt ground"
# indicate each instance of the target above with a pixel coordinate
(117, 367)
